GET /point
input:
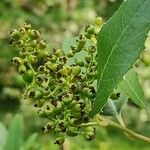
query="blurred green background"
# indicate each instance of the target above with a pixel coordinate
(57, 20)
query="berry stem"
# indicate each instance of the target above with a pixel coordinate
(101, 120)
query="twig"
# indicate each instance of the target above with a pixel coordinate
(101, 120)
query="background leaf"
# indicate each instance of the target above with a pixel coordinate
(120, 43)
(3, 135)
(131, 87)
(30, 141)
(68, 42)
(15, 137)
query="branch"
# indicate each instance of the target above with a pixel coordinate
(107, 122)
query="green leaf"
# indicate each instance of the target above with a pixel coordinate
(30, 141)
(68, 42)
(132, 88)
(120, 43)
(14, 140)
(3, 135)
(113, 107)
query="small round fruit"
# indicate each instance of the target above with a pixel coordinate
(42, 44)
(22, 69)
(15, 34)
(99, 21)
(59, 140)
(72, 132)
(76, 70)
(146, 57)
(28, 76)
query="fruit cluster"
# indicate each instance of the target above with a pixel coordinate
(62, 92)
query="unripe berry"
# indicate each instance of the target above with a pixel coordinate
(80, 63)
(146, 57)
(22, 69)
(33, 43)
(15, 34)
(76, 108)
(58, 52)
(38, 95)
(22, 31)
(50, 126)
(88, 36)
(42, 54)
(27, 26)
(54, 58)
(99, 21)
(17, 60)
(88, 58)
(20, 43)
(42, 69)
(72, 132)
(32, 58)
(89, 133)
(28, 76)
(76, 71)
(53, 66)
(70, 54)
(33, 34)
(92, 49)
(60, 140)
(42, 44)
(65, 71)
(39, 103)
(91, 29)
(85, 91)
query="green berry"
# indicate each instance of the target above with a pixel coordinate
(50, 126)
(60, 140)
(76, 71)
(22, 69)
(89, 133)
(39, 103)
(54, 58)
(99, 21)
(33, 34)
(53, 66)
(22, 31)
(33, 43)
(38, 95)
(42, 54)
(72, 132)
(28, 76)
(146, 57)
(91, 29)
(20, 43)
(15, 34)
(17, 60)
(70, 54)
(80, 63)
(67, 99)
(59, 52)
(27, 26)
(32, 58)
(65, 71)
(42, 44)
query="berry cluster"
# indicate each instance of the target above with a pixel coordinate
(62, 92)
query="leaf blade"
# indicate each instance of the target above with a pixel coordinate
(131, 87)
(15, 135)
(120, 43)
